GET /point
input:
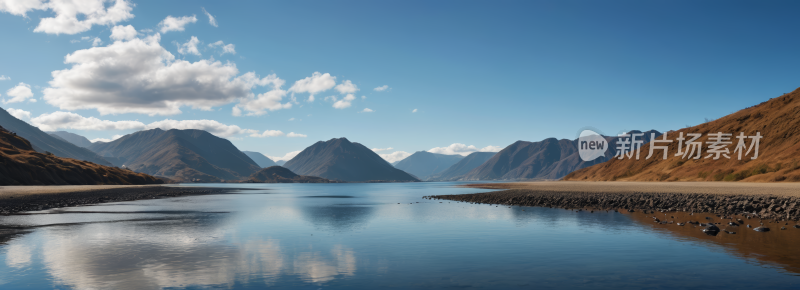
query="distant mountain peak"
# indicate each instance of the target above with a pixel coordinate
(340, 159)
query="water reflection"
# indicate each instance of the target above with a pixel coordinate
(338, 218)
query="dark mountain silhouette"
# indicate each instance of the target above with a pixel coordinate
(73, 138)
(548, 159)
(463, 166)
(776, 120)
(21, 165)
(43, 142)
(183, 155)
(341, 159)
(277, 174)
(423, 164)
(261, 160)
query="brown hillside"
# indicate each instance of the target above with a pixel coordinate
(778, 121)
(21, 165)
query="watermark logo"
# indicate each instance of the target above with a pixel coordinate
(591, 145)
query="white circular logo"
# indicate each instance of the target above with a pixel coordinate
(591, 145)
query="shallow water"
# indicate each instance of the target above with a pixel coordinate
(363, 236)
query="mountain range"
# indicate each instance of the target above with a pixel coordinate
(549, 159)
(73, 138)
(777, 121)
(183, 155)
(260, 159)
(43, 142)
(423, 164)
(340, 159)
(463, 166)
(21, 165)
(278, 174)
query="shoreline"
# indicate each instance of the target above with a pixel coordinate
(14, 200)
(779, 203)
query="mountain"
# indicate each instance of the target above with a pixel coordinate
(73, 138)
(280, 162)
(423, 164)
(260, 159)
(24, 166)
(777, 121)
(183, 155)
(43, 142)
(277, 174)
(341, 159)
(463, 166)
(548, 159)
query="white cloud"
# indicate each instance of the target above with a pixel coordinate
(291, 119)
(120, 32)
(4, 78)
(176, 23)
(19, 114)
(414, 111)
(296, 135)
(367, 110)
(211, 126)
(347, 87)
(67, 120)
(381, 88)
(236, 111)
(271, 100)
(226, 48)
(381, 149)
(286, 157)
(140, 76)
(395, 156)
(67, 13)
(97, 41)
(343, 103)
(19, 93)
(268, 133)
(211, 19)
(316, 83)
(189, 47)
(462, 149)
(363, 97)
(106, 140)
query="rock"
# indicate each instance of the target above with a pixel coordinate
(761, 229)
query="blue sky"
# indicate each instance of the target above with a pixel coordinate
(479, 73)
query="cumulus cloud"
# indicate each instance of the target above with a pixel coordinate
(381, 149)
(19, 93)
(381, 88)
(106, 140)
(236, 111)
(211, 19)
(226, 48)
(120, 32)
(347, 87)
(97, 41)
(19, 113)
(346, 102)
(268, 133)
(140, 76)
(68, 120)
(4, 78)
(462, 149)
(296, 135)
(395, 156)
(414, 110)
(211, 126)
(189, 47)
(71, 17)
(314, 84)
(287, 156)
(367, 110)
(268, 101)
(176, 23)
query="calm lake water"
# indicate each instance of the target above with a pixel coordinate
(361, 236)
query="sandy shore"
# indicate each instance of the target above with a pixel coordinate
(728, 188)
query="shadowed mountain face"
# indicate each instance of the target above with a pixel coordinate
(280, 162)
(423, 164)
(776, 120)
(179, 154)
(21, 165)
(456, 171)
(343, 160)
(43, 142)
(73, 138)
(546, 159)
(260, 159)
(277, 174)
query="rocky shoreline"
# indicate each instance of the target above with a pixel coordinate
(35, 202)
(778, 208)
